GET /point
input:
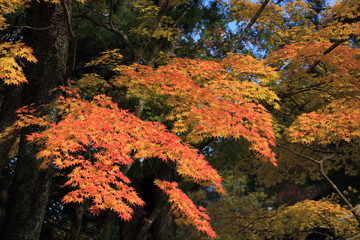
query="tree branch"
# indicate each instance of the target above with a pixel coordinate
(145, 228)
(118, 31)
(248, 27)
(32, 28)
(298, 154)
(323, 173)
(338, 192)
(327, 51)
(110, 28)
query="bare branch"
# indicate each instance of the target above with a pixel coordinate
(115, 30)
(323, 173)
(109, 27)
(298, 154)
(32, 28)
(338, 192)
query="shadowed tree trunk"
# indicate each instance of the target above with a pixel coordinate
(163, 227)
(77, 217)
(154, 220)
(30, 190)
(12, 101)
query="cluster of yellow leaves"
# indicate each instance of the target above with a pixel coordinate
(241, 215)
(10, 53)
(247, 68)
(338, 69)
(336, 105)
(291, 21)
(340, 20)
(152, 22)
(6, 7)
(96, 139)
(232, 220)
(92, 84)
(334, 79)
(307, 215)
(10, 70)
(109, 58)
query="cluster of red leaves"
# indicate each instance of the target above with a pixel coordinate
(96, 139)
(183, 205)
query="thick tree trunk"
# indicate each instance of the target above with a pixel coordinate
(109, 223)
(154, 221)
(8, 146)
(29, 195)
(130, 229)
(77, 217)
(30, 191)
(163, 227)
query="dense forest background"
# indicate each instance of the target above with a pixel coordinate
(179, 119)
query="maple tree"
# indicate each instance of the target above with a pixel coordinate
(114, 136)
(193, 107)
(177, 109)
(318, 87)
(318, 77)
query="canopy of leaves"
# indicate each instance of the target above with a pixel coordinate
(307, 78)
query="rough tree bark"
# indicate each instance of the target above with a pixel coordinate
(30, 190)
(12, 101)
(154, 220)
(163, 227)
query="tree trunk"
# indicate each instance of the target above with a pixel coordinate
(109, 223)
(77, 217)
(30, 191)
(153, 221)
(12, 101)
(163, 227)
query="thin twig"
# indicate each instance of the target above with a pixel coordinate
(298, 154)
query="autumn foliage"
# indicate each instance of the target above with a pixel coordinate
(96, 139)
(93, 140)
(208, 101)
(11, 72)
